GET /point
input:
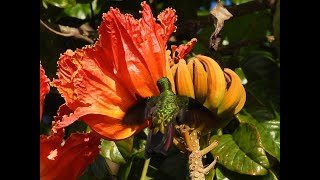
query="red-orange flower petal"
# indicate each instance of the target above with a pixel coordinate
(137, 47)
(100, 83)
(44, 88)
(67, 161)
(184, 49)
(89, 88)
(109, 128)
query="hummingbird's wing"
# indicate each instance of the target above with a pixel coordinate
(192, 112)
(138, 113)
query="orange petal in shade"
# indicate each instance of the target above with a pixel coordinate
(67, 161)
(109, 128)
(44, 88)
(137, 47)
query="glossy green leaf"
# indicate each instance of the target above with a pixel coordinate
(269, 133)
(109, 150)
(219, 175)
(270, 176)
(61, 3)
(125, 146)
(233, 158)
(225, 174)
(83, 11)
(273, 129)
(248, 139)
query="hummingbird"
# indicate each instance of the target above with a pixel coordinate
(166, 111)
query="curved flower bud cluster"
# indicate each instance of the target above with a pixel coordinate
(202, 78)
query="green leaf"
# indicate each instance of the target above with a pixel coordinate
(211, 174)
(248, 140)
(233, 158)
(225, 174)
(263, 87)
(265, 92)
(269, 133)
(241, 75)
(260, 65)
(273, 127)
(125, 169)
(110, 151)
(138, 145)
(219, 175)
(260, 112)
(270, 176)
(83, 11)
(247, 27)
(203, 13)
(125, 146)
(61, 3)
(80, 11)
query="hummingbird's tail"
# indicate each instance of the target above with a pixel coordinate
(158, 142)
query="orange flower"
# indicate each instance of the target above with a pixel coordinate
(44, 88)
(100, 82)
(67, 161)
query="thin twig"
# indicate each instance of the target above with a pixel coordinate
(211, 165)
(54, 31)
(65, 31)
(209, 148)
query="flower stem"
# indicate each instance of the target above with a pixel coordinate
(191, 139)
(145, 169)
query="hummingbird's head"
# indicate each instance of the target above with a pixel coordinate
(163, 84)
